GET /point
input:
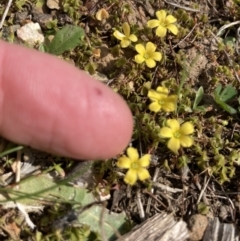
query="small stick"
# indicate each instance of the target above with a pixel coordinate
(5, 13)
(166, 188)
(25, 214)
(220, 31)
(18, 167)
(186, 36)
(202, 191)
(156, 172)
(183, 7)
(140, 206)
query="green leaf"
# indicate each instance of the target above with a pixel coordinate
(33, 190)
(227, 107)
(203, 208)
(222, 95)
(227, 93)
(230, 41)
(11, 150)
(218, 90)
(109, 222)
(65, 39)
(223, 175)
(41, 48)
(198, 98)
(224, 105)
(41, 189)
(40, 3)
(200, 108)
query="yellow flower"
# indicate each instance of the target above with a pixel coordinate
(102, 14)
(125, 37)
(147, 54)
(135, 165)
(161, 100)
(178, 134)
(163, 23)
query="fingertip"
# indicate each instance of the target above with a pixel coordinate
(52, 106)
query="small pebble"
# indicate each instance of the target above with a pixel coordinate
(197, 225)
(53, 4)
(20, 17)
(42, 19)
(31, 33)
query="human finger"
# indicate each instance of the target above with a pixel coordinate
(48, 104)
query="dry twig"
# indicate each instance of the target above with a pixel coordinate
(5, 13)
(166, 188)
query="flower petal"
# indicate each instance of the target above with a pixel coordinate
(126, 29)
(133, 38)
(125, 43)
(173, 29)
(162, 97)
(144, 161)
(161, 31)
(139, 59)
(118, 35)
(102, 14)
(143, 174)
(132, 154)
(150, 48)
(174, 144)
(170, 103)
(155, 107)
(161, 15)
(166, 132)
(140, 49)
(186, 141)
(153, 23)
(156, 56)
(162, 90)
(173, 124)
(99, 15)
(170, 19)
(153, 95)
(169, 106)
(124, 162)
(187, 128)
(151, 63)
(131, 177)
(173, 98)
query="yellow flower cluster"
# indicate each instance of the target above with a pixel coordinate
(161, 100)
(147, 53)
(178, 136)
(177, 133)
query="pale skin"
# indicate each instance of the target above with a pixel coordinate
(50, 105)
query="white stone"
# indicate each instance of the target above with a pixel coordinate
(53, 4)
(31, 33)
